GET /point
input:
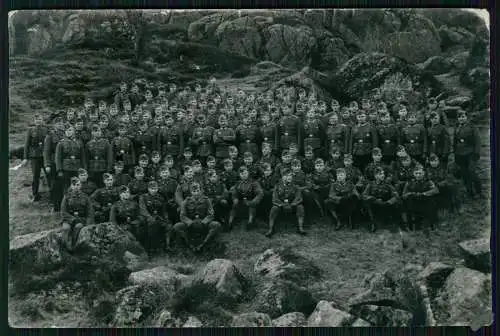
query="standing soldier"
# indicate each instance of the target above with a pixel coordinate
(337, 135)
(33, 151)
(104, 198)
(267, 156)
(202, 138)
(122, 95)
(388, 138)
(287, 197)
(289, 128)
(70, 156)
(81, 131)
(362, 140)
(171, 139)
(183, 188)
(123, 149)
(268, 180)
(438, 139)
(167, 187)
(268, 132)
(76, 212)
(154, 211)
(197, 216)
(414, 138)
(135, 98)
(467, 145)
(319, 182)
(432, 107)
(99, 155)
(49, 151)
(229, 176)
(342, 199)
(218, 195)
(224, 136)
(143, 140)
(247, 136)
(126, 214)
(313, 132)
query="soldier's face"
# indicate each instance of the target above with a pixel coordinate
(380, 176)
(308, 154)
(333, 119)
(118, 169)
(203, 104)
(399, 97)
(335, 155)
(341, 177)
(125, 195)
(159, 120)
(70, 115)
(197, 168)
(135, 117)
(230, 101)
(123, 87)
(239, 110)
(287, 178)
(347, 162)
(311, 114)
(462, 119)
(319, 167)
(222, 122)
(70, 132)
(412, 119)
(87, 105)
(143, 163)
(156, 158)
(172, 89)
(366, 105)
(435, 120)
(108, 182)
(228, 166)
(418, 174)
(146, 117)
(189, 174)
(83, 177)
(406, 161)
(97, 134)
(162, 92)
(102, 106)
(79, 126)
(169, 162)
(196, 192)
(188, 155)
(197, 88)
(153, 190)
(127, 107)
(139, 176)
(373, 116)
(143, 127)
(432, 105)
(434, 163)
(149, 95)
(135, 89)
(353, 107)
(233, 153)
(217, 100)
(76, 186)
(180, 116)
(335, 106)
(244, 174)
(302, 95)
(38, 121)
(246, 121)
(169, 121)
(93, 117)
(164, 174)
(253, 114)
(248, 160)
(293, 150)
(296, 168)
(266, 150)
(377, 157)
(113, 111)
(213, 178)
(346, 114)
(361, 118)
(286, 158)
(265, 119)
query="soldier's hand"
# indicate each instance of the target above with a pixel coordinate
(47, 170)
(24, 162)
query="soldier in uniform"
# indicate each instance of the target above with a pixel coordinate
(202, 138)
(197, 216)
(126, 214)
(76, 212)
(99, 155)
(253, 168)
(123, 149)
(402, 118)
(120, 178)
(268, 180)
(247, 137)
(362, 140)
(467, 145)
(287, 197)
(154, 166)
(286, 162)
(211, 164)
(438, 139)
(439, 173)
(403, 172)
(337, 134)
(187, 158)
(377, 162)
(138, 185)
(247, 193)
(69, 157)
(87, 187)
(418, 199)
(183, 188)
(113, 117)
(289, 128)
(33, 151)
(432, 107)
(104, 198)
(49, 150)
(107, 133)
(268, 132)
(167, 187)
(81, 131)
(388, 138)
(169, 163)
(335, 160)
(198, 172)
(308, 160)
(313, 132)
(414, 138)
(229, 176)
(143, 140)
(218, 195)
(380, 198)
(342, 199)
(233, 155)
(353, 174)
(70, 115)
(267, 156)
(122, 95)
(154, 211)
(223, 137)
(318, 184)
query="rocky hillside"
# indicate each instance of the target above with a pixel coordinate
(441, 48)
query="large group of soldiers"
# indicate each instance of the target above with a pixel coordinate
(166, 161)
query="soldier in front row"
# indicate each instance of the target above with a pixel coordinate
(70, 156)
(197, 216)
(104, 198)
(342, 199)
(76, 212)
(49, 152)
(126, 214)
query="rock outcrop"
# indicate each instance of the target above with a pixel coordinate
(477, 254)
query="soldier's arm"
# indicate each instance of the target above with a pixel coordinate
(47, 147)
(332, 194)
(112, 214)
(374, 136)
(367, 192)
(276, 200)
(423, 134)
(194, 138)
(58, 157)
(132, 152)
(184, 218)
(27, 144)
(394, 195)
(66, 216)
(349, 141)
(298, 197)
(406, 192)
(90, 212)
(259, 193)
(433, 189)
(143, 210)
(178, 195)
(210, 212)
(477, 141)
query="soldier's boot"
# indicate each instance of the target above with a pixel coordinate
(168, 241)
(404, 221)
(75, 234)
(320, 207)
(373, 224)
(230, 221)
(270, 232)
(300, 229)
(67, 238)
(211, 234)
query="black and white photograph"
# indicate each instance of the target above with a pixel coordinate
(249, 168)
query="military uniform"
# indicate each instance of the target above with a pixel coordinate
(202, 141)
(122, 179)
(229, 178)
(289, 131)
(120, 97)
(138, 187)
(217, 193)
(267, 184)
(270, 159)
(103, 199)
(269, 134)
(388, 141)
(83, 135)
(123, 150)
(154, 211)
(183, 190)
(313, 136)
(287, 197)
(223, 138)
(307, 165)
(167, 188)
(438, 141)
(318, 185)
(419, 205)
(171, 141)
(99, 155)
(402, 175)
(33, 151)
(88, 187)
(343, 200)
(247, 139)
(414, 138)
(467, 147)
(373, 166)
(49, 151)
(70, 156)
(338, 136)
(380, 200)
(126, 214)
(76, 212)
(363, 139)
(333, 164)
(248, 190)
(143, 142)
(446, 185)
(151, 172)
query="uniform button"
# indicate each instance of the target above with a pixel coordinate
(96, 157)
(265, 139)
(433, 141)
(143, 147)
(169, 143)
(286, 201)
(310, 135)
(286, 134)
(248, 141)
(109, 204)
(387, 141)
(40, 143)
(122, 151)
(75, 213)
(72, 157)
(204, 142)
(412, 141)
(462, 140)
(332, 141)
(360, 140)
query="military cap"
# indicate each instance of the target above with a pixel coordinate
(78, 120)
(58, 120)
(285, 152)
(319, 160)
(228, 162)
(243, 169)
(122, 126)
(340, 170)
(154, 153)
(211, 172)
(123, 189)
(348, 156)
(169, 157)
(118, 164)
(163, 168)
(232, 148)
(106, 176)
(433, 157)
(286, 171)
(196, 163)
(293, 145)
(400, 148)
(266, 165)
(379, 170)
(74, 180)
(376, 151)
(153, 184)
(82, 171)
(195, 186)
(186, 168)
(433, 115)
(296, 162)
(210, 158)
(334, 149)
(266, 144)
(461, 113)
(418, 166)
(247, 155)
(138, 170)
(187, 150)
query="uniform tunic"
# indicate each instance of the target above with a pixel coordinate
(34, 144)
(70, 155)
(269, 134)
(438, 141)
(202, 139)
(103, 199)
(313, 134)
(123, 150)
(363, 139)
(414, 138)
(76, 207)
(289, 131)
(223, 138)
(247, 139)
(99, 156)
(249, 190)
(171, 141)
(337, 135)
(388, 139)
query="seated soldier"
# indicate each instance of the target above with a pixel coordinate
(104, 198)
(138, 185)
(211, 165)
(153, 167)
(167, 187)
(88, 187)
(293, 150)
(253, 169)
(143, 163)
(319, 183)
(267, 181)
(286, 162)
(380, 198)
(153, 209)
(353, 174)
(169, 163)
(267, 156)
(229, 177)
(198, 172)
(335, 160)
(126, 214)
(183, 188)
(377, 162)
(120, 178)
(218, 195)
(287, 197)
(308, 160)
(187, 158)
(418, 200)
(197, 217)
(233, 155)
(248, 193)
(403, 172)
(342, 199)
(444, 181)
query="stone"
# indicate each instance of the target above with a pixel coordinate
(466, 295)
(39, 40)
(224, 277)
(435, 274)
(278, 297)
(285, 264)
(461, 101)
(205, 27)
(75, 32)
(161, 276)
(295, 319)
(326, 316)
(459, 59)
(192, 322)
(333, 53)
(382, 316)
(166, 320)
(361, 323)
(253, 319)
(477, 254)
(436, 65)
(291, 46)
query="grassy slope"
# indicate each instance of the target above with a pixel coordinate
(345, 256)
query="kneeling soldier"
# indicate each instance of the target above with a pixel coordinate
(418, 199)
(218, 195)
(125, 213)
(104, 198)
(342, 199)
(197, 216)
(380, 198)
(286, 197)
(76, 211)
(154, 211)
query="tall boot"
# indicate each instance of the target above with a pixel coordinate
(300, 229)
(270, 232)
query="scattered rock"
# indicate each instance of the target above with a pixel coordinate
(461, 101)
(166, 320)
(39, 40)
(436, 65)
(252, 320)
(284, 264)
(161, 276)
(224, 277)
(291, 46)
(279, 297)
(381, 316)
(477, 254)
(435, 274)
(326, 316)
(75, 32)
(192, 322)
(361, 323)
(294, 319)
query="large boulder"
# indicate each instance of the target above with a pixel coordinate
(477, 254)
(382, 316)
(162, 276)
(279, 297)
(165, 319)
(252, 320)
(192, 322)
(332, 52)
(205, 27)
(295, 319)
(465, 298)
(39, 39)
(291, 46)
(452, 36)
(325, 315)
(435, 274)
(436, 65)
(285, 264)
